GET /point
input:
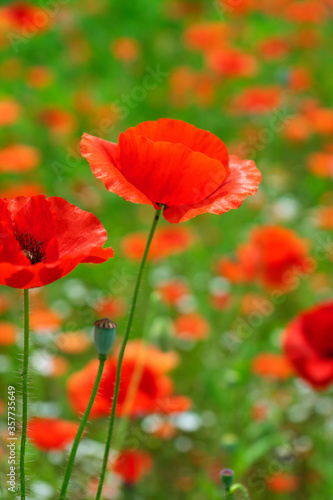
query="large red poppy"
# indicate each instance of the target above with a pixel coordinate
(153, 394)
(43, 239)
(308, 344)
(174, 164)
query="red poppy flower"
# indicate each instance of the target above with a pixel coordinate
(271, 365)
(172, 163)
(189, 86)
(51, 433)
(232, 63)
(167, 241)
(308, 344)
(18, 158)
(283, 482)
(132, 465)
(172, 291)
(191, 326)
(207, 35)
(8, 333)
(125, 49)
(9, 112)
(275, 257)
(43, 239)
(154, 392)
(258, 100)
(321, 164)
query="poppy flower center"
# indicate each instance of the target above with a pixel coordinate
(31, 247)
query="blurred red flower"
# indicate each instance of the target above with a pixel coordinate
(191, 326)
(308, 345)
(9, 112)
(23, 15)
(231, 62)
(125, 49)
(51, 433)
(18, 158)
(43, 239)
(132, 465)
(321, 164)
(206, 36)
(167, 241)
(268, 364)
(283, 482)
(173, 290)
(275, 257)
(154, 391)
(8, 333)
(172, 163)
(258, 100)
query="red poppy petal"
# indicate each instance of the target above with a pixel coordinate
(243, 181)
(169, 174)
(101, 158)
(98, 255)
(89, 233)
(180, 132)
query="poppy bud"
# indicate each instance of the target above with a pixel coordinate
(104, 335)
(227, 477)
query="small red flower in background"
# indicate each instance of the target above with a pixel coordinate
(321, 164)
(125, 49)
(27, 189)
(18, 158)
(172, 163)
(110, 307)
(231, 62)
(43, 239)
(132, 465)
(167, 241)
(8, 333)
(172, 291)
(308, 345)
(191, 326)
(51, 433)
(258, 100)
(154, 393)
(9, 112)
(283, 482)
(275, 366)
(275, 257)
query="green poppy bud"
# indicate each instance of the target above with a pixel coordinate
(227, 477)
(104, 335)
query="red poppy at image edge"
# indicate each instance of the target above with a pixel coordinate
(44, 239)
(154, 393)
(308, 345)
(172, 163)
(51, 433)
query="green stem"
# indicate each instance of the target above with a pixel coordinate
(25, 392)
(83, 423)
(242, 488)
(121, 354)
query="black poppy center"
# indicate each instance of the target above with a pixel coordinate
(31, 247)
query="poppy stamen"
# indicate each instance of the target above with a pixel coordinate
(30, 247)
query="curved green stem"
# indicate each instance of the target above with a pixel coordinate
(121, 354)
(242, 488)
(83, 423)
(24, 392)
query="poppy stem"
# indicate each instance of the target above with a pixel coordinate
(24, 392)
(122, 351)
(102, 358)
